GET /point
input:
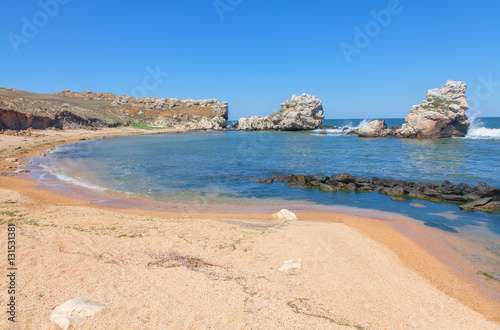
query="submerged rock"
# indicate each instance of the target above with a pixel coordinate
(419, 205)
(300, 113)
(300, 185)
(481, 204)
(268, 181)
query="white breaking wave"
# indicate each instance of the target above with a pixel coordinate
(61, 175)
(478, 131)
(78, 182)
(341, 130)
(363, 123)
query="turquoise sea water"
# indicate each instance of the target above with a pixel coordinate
(214, 167)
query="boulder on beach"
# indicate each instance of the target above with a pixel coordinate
(300, 113)
(285, 215)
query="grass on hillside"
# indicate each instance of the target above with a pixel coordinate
(139, 125)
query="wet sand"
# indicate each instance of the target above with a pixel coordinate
(354, 270)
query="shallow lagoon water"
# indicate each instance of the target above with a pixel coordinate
(215, 167)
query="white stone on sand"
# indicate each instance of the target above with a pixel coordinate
(74, 311)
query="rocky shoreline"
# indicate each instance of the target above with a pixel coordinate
(21, 110)
(481, 197)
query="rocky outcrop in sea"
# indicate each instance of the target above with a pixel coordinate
(300, 113)
(481, 197)
(440, 115)
(377, 128)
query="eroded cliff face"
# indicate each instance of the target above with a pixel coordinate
(14, 120)
(440, 115)
(71, 110)
(304, 112)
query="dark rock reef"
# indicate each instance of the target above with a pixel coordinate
(481, 197)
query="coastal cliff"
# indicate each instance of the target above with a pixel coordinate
(21, 110)
(440, 115)
(300, 113)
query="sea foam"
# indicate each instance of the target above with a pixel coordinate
(341, 130)
(478, 131)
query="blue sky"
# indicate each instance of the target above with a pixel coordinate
(256, 54)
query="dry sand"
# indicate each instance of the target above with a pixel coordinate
(168, 270)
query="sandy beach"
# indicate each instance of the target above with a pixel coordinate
(223, 270)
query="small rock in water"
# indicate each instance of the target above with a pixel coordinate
(325, 187)
(375, 128)
(417, 205)
(289, 265)
(285, 215)
(300, 185)
(74, 311)
(474, 206)
(268, 181)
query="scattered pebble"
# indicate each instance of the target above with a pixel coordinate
(290, 264)
(285, 215)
